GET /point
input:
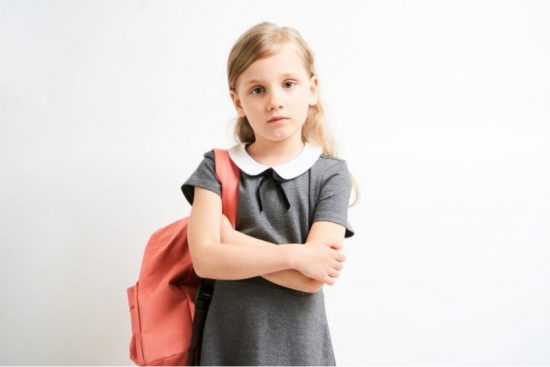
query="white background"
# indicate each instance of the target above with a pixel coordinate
(441, 109)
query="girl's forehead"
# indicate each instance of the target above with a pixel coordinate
(284, 63)
(286, 54)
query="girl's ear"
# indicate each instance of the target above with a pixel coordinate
(237, 103)
(314, 91)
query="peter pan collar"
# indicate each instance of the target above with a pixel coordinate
(288, 170)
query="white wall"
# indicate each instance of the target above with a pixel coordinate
(441, 108)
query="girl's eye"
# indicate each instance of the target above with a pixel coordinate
(286, 83)
(252, 91)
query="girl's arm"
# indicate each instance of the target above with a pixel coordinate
(321, 231)
(289, 278)
(217, 259)
(236, 261)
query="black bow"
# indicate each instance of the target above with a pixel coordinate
(270, 173)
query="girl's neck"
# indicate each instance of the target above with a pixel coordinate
(275, 153)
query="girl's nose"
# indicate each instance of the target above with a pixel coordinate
(275, 100)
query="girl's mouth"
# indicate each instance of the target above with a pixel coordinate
(277, 119)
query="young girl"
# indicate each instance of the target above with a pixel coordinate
(268, 303)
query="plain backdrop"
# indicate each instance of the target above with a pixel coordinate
(440, 108)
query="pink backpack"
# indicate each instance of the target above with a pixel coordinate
(168, 304)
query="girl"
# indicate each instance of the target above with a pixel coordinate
(268, 303)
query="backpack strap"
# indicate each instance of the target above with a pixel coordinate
(228, 175)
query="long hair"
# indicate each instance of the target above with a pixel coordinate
(264, 40)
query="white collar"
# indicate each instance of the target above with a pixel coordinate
(288, 170)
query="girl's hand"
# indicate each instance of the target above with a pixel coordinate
(225, 229)
(320, 260)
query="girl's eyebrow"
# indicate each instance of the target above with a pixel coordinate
(282, 75)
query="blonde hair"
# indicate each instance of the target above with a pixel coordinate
(264, 40)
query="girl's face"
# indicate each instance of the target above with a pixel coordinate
(276, 86)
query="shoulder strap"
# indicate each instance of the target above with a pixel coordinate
(228, 175)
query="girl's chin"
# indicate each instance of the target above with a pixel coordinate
(278, 122)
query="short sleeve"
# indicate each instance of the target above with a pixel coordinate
(203, 176)
(334, 194)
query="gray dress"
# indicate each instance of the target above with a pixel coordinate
(254, 321)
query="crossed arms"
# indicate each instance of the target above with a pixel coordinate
(243, 256)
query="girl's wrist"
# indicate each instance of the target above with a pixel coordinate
(294, 253)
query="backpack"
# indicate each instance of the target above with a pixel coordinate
(169, 302)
